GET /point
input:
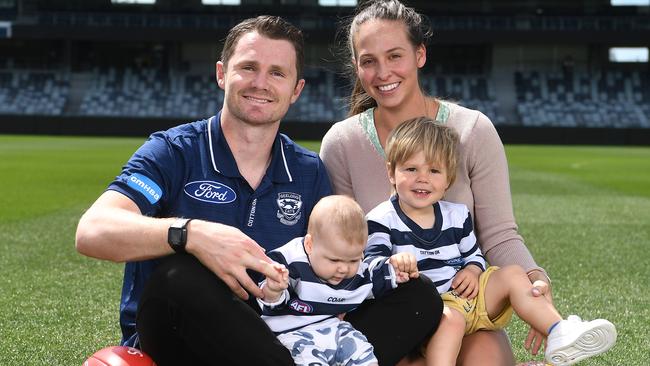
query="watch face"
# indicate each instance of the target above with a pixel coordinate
(175, 236)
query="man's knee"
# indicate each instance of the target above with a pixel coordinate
(185, 292)
(423, 297)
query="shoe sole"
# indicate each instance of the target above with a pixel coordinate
(592, 342)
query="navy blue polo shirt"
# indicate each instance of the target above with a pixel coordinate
(189, 171)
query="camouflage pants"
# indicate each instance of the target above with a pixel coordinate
(330, 342)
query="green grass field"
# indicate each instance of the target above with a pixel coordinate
(584, 211)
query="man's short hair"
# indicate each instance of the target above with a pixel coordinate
(269, 26)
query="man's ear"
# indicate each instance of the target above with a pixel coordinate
(221, 75)
(309, 245)
(297, 90)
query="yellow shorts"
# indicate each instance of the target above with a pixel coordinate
(476, 317)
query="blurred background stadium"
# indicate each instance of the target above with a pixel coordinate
(555, 71)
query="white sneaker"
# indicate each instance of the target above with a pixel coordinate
(573, 340)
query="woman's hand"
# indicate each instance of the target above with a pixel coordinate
(541, 287)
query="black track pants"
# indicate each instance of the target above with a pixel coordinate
(399, 322)
(188, 316)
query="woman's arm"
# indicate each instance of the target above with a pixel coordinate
(496, 231)
(494, 219)
(332, 153)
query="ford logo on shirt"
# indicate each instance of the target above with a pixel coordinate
(210, 192)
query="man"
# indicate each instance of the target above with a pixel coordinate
(247, 188)
(242, 183)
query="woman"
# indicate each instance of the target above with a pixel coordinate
(386, 41)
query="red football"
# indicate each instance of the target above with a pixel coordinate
(119, 356)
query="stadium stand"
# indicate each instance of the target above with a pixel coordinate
(322, 100)
(608, 98)
(147, 92)
(33, 92)
(472, 91)
(74, 61)
(151, 93)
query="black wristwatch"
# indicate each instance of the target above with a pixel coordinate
(177, 235)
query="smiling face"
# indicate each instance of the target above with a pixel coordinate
(332, 257)
(386, 62)
(259, 80)
(419, 184)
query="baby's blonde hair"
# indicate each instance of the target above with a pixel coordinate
(438, 142)
(340, 213)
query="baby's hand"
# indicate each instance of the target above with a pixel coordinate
(401, 277)
(465, 283)
(274, 288)
(405, 265)
(284, 278)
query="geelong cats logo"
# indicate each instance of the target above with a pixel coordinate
(289, 205)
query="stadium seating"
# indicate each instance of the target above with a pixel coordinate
(322, 100)
(33, 92)
(472, 91)
(606, 98)
(150, 93)
(611, 98)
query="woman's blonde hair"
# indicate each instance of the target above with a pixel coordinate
(438, 142)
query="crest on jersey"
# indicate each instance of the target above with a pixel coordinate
(289, 205)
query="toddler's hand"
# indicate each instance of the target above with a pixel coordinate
(465, 282)
(405, 266)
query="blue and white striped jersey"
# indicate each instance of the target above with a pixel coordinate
(309, 299)
(441, 251)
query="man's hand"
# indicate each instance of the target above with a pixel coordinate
(465, 282)
(228, 252)
(405, 265)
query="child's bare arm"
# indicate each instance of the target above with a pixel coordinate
(465, 282)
